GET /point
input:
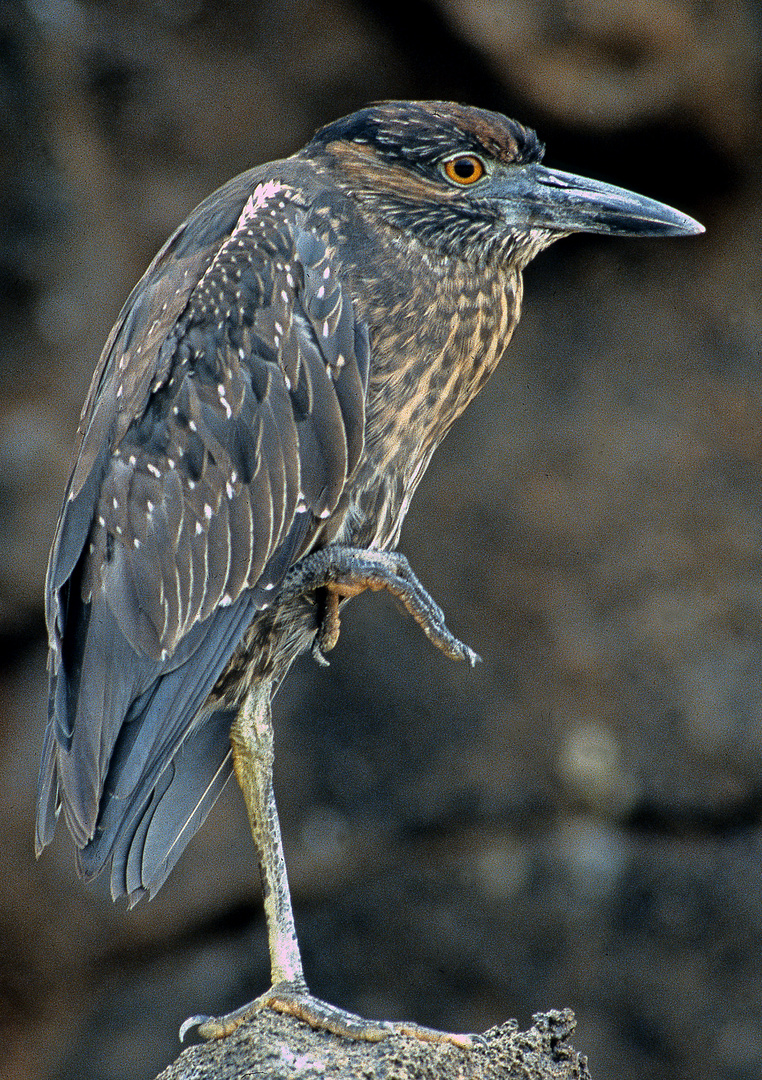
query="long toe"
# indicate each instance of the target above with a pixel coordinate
(299, 1003)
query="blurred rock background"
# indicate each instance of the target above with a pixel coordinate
(579, 820)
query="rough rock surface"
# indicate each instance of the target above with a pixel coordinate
(278, 1048)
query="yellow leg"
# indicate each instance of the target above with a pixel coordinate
(251, 736)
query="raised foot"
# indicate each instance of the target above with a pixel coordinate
(347, 571)
(297, 1002)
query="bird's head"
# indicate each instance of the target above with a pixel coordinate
(469, 183)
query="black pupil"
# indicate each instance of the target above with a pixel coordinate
(464, 167)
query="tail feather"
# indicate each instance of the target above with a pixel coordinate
(144, 841)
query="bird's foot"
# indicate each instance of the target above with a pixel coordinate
(298, 1002)
(347, 571)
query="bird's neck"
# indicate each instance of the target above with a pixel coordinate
(439, 327)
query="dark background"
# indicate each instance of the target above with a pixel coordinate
(576, 822)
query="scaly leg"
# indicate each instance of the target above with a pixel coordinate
(251, 736)
(347, 571)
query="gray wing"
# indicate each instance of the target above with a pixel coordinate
(222, 425)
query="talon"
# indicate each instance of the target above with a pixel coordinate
(328, 631)
(472, 657)
(191, 1022)
(317, 654)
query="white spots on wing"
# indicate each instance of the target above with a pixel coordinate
(199, 528)
(153, 470)
(300, 508)
(115, 503)
(224, 401)
(171, 462)
(229, 490)
(101, 520)
(136, 543)
(325, 513)
(150, 507)
(269, 586)
(321, 292)
(226, 600)
(287, 381)
(327, 273)
(193, 425)
(326, 328)
(208, 512)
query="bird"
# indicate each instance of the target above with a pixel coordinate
(262, 413)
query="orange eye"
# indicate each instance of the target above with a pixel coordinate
(464, 169)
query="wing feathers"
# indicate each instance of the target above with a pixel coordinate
(224, 422)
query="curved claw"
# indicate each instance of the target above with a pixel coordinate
(318, 655)
(467, 653)
(191, 1022)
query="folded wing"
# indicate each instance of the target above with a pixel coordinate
(222, 426)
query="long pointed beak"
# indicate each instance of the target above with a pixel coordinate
(536, 197)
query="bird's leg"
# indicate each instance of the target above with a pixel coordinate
(346, 571)
(251, 736)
